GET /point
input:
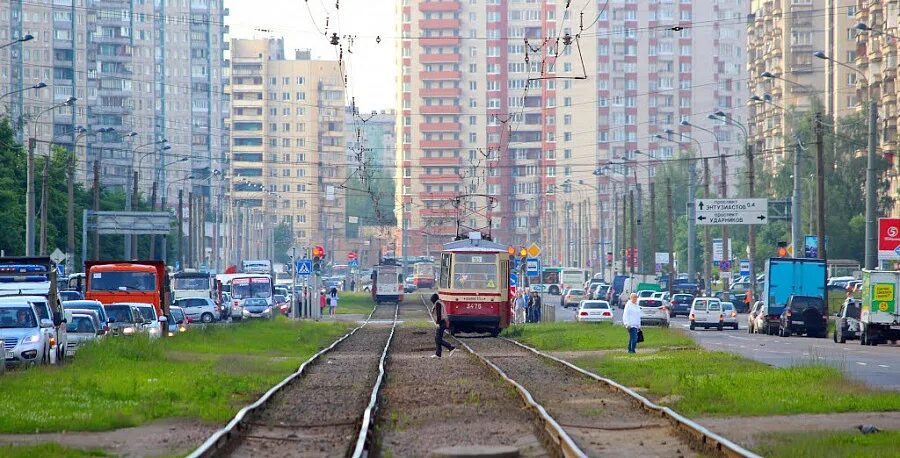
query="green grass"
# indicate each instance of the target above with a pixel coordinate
(591, 336)
(207, 373)
(701, 382)
(824, 444)
(48, 449)
(360, 303)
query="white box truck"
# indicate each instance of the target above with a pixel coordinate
(879, 319)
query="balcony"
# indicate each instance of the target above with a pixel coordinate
(440, 41)
(439, 24)
(440, 92)
(444, 75)
(440, 109)
(440, 127)
(433, 6)
(440, 144)
(437, 195)
(426, 212)
(439, 58)
(445, 178)
(432, 161)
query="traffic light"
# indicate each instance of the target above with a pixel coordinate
(609, 258)
(782, 250)
(523, 253)
(318, 256)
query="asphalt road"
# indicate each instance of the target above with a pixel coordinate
(876, 366)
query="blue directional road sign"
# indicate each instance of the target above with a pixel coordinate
(513, 280)
(532, 267)
(304, 267)
(517, 263)
(353, 263)
(745, 267)
(60, 270)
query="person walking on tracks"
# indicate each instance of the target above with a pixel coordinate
(631, 318)
(442, 322)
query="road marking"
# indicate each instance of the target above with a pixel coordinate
(883, 365)
(862, 363)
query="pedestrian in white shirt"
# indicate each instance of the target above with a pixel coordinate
(520, 304)
(631, 318)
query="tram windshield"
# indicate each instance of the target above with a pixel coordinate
(475, 271)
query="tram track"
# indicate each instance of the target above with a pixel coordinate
(325, 408)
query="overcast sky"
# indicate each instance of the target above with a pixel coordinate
(370, 67)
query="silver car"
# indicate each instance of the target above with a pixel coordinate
(653, 311)
(26, 341)
(83, 327)
(152, 323)
(730, 320)
(57, 332)
(200, 309)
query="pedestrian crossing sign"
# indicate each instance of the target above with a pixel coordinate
(304, 267)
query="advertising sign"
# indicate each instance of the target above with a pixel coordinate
(889, 238)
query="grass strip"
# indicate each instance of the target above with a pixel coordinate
(357, 303)
(49, 449)
(829, 443)
(573, 336)
(207, 373)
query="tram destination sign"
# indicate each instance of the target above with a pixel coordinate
(732, 211)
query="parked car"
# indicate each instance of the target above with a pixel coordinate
(730, 312)
(594, 311)
(754, 318)
(70, 295)
(573, 297)
(200, 309)
(95, 306)
(178, 322)
(84, 327)
(255, 307)
(26, 338)
(804, 315)
(57, 333)
(600, 292)
(846, 325)
(124, 319)
(680, 305)
(653, 311)
(706, 312)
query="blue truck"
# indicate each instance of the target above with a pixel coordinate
(795, 300)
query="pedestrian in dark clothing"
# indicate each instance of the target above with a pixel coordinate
(442, 322)
(534, 304)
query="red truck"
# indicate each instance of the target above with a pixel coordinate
(128, 281)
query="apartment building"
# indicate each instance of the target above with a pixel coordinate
(782, 37)
(153, 68)
(287, 158)
(529, 102)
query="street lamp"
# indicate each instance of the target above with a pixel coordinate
(40, 85)
(871, 229)
(25, 38)
(692, 183)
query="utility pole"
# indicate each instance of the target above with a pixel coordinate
(871, 229)
(96, 209)
(180, 217)
(601, 225)
(751, 236)
(29, 198)
(653, 244)
(639, 253)
(624, 232)
(189, 262)
(726, 251)
(134, 195)
(671, 235)
(820, 188)
(633, 224)
(613, 248)
(45, 202)
(796, 211)
(153, 206)
(707, 265)
(70, 212)
(692, 221)
(568, 233)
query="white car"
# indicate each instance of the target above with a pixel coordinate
(653, 311)
(731, 320)
(152, 325)
(199, 309)
(595, 311)
(57, 332)
(706, 312)
(25, 337)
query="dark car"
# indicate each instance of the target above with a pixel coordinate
(681, 304)
(731, 296)
(686, 288)
(804, 315)
(69, 295)
(847, 326)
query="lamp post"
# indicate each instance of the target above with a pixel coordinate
(871, 257)
(40, 85)
(29, 181)
(27, 37)
(692, 184)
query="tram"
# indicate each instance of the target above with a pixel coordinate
(387, 283)
(423, 275)
(474, 285)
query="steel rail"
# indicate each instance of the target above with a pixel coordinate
(223, 438)
(366, 428)
(552, 429)
(706, 437)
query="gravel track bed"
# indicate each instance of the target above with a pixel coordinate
(453, 401)
(601, 421)
(319, 414)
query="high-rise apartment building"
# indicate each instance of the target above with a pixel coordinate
(153, 68)
(288, 161)
(542, 104)
(371, 139)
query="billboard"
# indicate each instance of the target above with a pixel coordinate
(889, 238)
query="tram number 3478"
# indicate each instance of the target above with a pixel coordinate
(471, 306)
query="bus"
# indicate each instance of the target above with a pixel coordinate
(245, 286)
(574, 277)
(550, 280)
(555, 280)
(193, 284)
